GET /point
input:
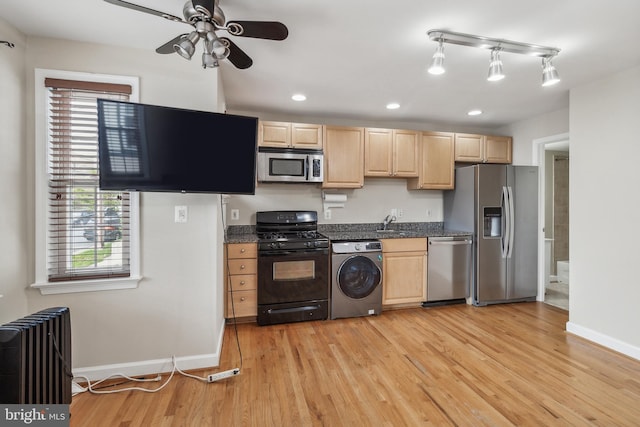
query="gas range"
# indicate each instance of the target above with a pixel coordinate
(293, 267)
(289, 230)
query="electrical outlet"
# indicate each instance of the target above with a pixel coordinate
(222, 375)
(235, 214)
(394, 212)
(428, 212)
(327, 214)
(400, 212)
(181, 214)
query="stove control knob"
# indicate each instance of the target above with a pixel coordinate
(273, 245)
(316, 243)
(280, 244)
(358, 246)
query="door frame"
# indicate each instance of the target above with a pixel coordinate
(538, 159)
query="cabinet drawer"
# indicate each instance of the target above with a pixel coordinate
(242, 250)
(404, 245)
(243, 282)
(245, 303)
(243, 266)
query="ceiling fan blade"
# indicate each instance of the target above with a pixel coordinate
(207, 5)
(258, 29)
(146, 10)
(168, 46)
(236, 55)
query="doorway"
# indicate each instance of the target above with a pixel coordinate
(552, 157)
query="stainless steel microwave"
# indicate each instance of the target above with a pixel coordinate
(289, 165)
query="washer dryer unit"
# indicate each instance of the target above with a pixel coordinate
(356, 284)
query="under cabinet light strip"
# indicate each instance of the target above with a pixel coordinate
(491, 43)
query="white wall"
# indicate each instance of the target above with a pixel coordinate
(605, 201)
(13, 157)
(369, 204)
(177, 308)
(526, 131)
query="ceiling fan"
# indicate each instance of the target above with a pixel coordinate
(206, 17)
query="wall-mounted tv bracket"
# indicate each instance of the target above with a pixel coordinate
(8, 44)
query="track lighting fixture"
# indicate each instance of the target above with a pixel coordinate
(549, 73)
(497, 46)
(437, 62)
(495, 67)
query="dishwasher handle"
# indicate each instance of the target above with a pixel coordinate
(450, 241)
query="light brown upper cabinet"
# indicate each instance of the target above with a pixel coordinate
(343, 157)
(436, 171)
(474, 148)
(391, 153)
(290, 135)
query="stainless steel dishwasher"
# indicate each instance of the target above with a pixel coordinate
(448, 269)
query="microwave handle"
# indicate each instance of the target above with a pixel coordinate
(306, 168)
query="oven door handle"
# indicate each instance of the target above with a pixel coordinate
(293, 309)
(279, 252)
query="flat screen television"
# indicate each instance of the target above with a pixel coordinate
(152, 148)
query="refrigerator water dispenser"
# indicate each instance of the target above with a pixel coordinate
(492, 222)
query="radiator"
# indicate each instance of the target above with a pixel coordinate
(35, 358)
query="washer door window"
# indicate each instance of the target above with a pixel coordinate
(358, 276)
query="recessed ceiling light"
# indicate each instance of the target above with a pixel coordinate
(299, 97)
(393, 106)
(474, 113)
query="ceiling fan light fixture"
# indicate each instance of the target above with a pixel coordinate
(550, 75)
(495, 67)
(209, 61)
(437, 61)
(216, 46)
(186, 47)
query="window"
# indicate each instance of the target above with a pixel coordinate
(87, 239)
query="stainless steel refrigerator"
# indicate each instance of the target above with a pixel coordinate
(499, 205)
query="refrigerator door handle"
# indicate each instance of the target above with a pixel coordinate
(511, 221)
(504, 241)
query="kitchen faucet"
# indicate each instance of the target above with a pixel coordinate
(387, 220)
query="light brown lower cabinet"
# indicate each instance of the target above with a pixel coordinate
(241, 273)
(404, 271)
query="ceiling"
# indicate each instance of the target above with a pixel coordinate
(352, 58)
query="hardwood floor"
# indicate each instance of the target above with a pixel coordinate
(510, 364)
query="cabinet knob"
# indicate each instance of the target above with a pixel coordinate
(243, 250)
(242, 298)
(242, 267)
(242, 282)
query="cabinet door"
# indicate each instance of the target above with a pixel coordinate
(378, 151)
(469, 148)
(404, 277)
(343, 157)
(307, 136)
(437, 162)
(274, 134)
(405, 153)
(497, 149)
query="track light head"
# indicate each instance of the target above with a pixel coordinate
(549, 73)
(437, 62)
(495, 67)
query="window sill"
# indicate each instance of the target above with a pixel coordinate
(74, 286)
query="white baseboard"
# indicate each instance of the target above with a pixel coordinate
(147, 367)
(604, 340)
(155, 366)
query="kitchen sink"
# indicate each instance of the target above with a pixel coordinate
(396, 232)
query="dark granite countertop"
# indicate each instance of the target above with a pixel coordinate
(367, 231)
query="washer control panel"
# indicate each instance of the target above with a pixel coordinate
(357, 246)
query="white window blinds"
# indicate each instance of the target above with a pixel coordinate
(88, 229)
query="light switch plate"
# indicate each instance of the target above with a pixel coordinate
(181, 214)
(235, 214)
